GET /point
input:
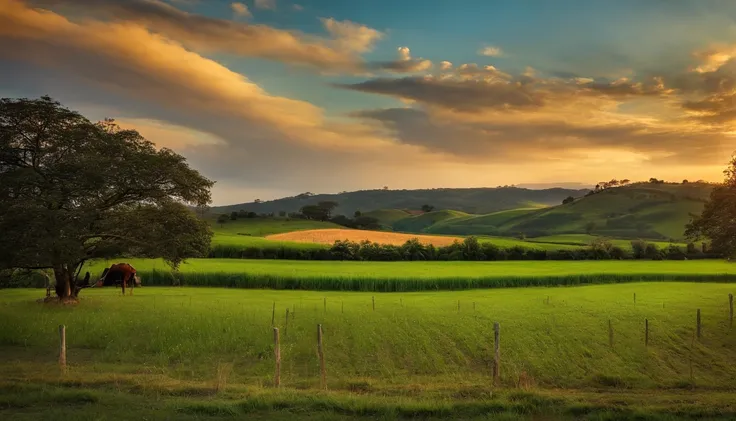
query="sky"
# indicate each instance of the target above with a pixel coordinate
(271, 98)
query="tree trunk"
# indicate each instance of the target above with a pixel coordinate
(66, 288)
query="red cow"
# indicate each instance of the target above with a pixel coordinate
(121, 274)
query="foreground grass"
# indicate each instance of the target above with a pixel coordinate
(419, 276)
(187, 352)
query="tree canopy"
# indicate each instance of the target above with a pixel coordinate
(72, 190)
(717, 222)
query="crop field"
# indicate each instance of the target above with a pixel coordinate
(192, 353)
(419, 276)
(329, 236)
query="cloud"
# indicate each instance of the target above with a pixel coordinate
(445, 65)
(265, 4)
(405, 63)
(241, 9)
(340, 52)
(490, 51)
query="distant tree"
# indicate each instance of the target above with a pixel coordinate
(233, 216)
(367, 223)
(258, 201)
(222, 219)
(282, 213)
(427, 208)
(357, 213)
(568, 199)
(684, 181)
(589, 227)
(385, 187)
(72, 190)
(328, 207)
(717, 222)
(304, 195)
(315, 212)
(625, 181)
(242, 213)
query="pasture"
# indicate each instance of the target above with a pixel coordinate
(190, 352)
(418, 276)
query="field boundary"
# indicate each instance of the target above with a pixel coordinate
(383, 284)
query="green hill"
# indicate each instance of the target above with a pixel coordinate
(387, 217)
(475, 200)
(420, 223)
(642, 210)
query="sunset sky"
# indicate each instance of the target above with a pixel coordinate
(271, 98)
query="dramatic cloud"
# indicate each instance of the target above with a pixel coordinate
(265, 4)
(141, 61)
(241, 10)
(490, 51)
(340, 52)
(405, 63)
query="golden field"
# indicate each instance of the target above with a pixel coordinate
(329, 236)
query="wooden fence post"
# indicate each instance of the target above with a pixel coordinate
(293, 311)
(273, 314)
(320, 352)
(634, 298)
(62, 347)
(277, 355)
(458, 306)
(698, 323)
(374, 303)
(646, 332)
(286, 322)
(610, 333)
(325, 304)
(730, 309)
(497, 354)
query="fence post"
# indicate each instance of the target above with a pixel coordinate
(325, 304)
(62, 347)
(497, 354)
(273, 314)
(698, 324)
(634, 298)
(646, 332)
(374, 303)
(277, 355)
(286, 323)
(458, 306)
(610, 333)
(320, 352)
(293, 311)
(730, 309)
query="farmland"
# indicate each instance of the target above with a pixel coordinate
(194, 352)
(419, 276)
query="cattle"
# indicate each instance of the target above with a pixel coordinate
(121, 274)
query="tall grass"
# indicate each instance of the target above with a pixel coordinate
(402, 284)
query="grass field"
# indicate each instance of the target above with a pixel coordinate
(585, 239)
(190, 353)
(420, 276)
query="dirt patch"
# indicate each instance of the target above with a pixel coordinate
(329, 236)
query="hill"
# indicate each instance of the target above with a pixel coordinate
(473, 200)
(641, 210)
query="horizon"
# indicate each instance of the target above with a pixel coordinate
(271, 98)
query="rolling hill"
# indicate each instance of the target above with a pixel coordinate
(642, 210)
(472, 200)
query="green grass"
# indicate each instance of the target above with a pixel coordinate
(585, 239)
(261, 227)
(420, 223)
(420, 276)
(387, 217)
(155, 355)
(479, 224)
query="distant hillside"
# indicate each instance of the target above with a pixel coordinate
(642, 210)
(475, 200)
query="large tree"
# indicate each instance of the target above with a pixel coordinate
(717, 222)
(72, 190)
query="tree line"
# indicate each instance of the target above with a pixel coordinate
(470, 249)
